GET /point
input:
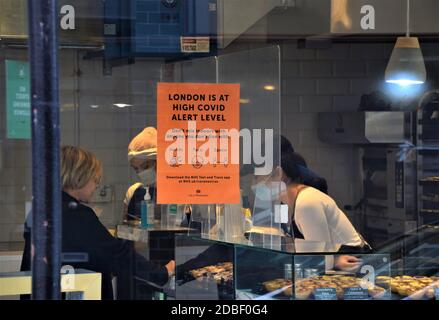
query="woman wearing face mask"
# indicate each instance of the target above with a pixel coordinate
(265, 192)
(314, 216)
(142, 153)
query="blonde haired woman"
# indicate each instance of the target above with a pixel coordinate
(82, 232)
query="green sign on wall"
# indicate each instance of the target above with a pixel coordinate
(18, 100)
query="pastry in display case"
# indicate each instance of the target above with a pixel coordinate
(262, 273)
(271, 274)
(210, 269)
(415, 264)
(221, 272)
(309, 288)
(283, 285)
(414, 287)
(317, 277)
(204, 269)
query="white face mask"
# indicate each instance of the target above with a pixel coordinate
(148, 176)
(268, 193)
(261, 191)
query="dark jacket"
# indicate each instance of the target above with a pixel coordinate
(82, 232)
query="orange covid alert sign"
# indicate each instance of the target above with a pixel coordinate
(198, 143)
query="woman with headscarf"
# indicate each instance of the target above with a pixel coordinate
(142, 155)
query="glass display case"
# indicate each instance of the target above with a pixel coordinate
(256, 267)
(320, 277)
(205, 269)
(311, 276)
(214, 270)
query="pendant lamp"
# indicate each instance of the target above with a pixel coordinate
(406, 65)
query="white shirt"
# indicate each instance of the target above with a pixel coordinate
(320, 220)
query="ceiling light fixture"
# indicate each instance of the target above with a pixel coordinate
(406, 65)
(269, 88)
(122, 105)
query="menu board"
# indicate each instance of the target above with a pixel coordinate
(198, 143)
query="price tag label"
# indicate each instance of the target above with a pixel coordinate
(355, 293)
(195, 44)
(325, 294)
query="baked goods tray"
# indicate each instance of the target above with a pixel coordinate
(224, 289)
(415, 287)
(279, 294)
(305, 289)
(219, 275)
(188, 277)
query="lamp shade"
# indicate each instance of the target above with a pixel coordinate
(406, 65)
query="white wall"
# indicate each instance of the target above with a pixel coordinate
(327, 80)
(107, 130)
(333, 80)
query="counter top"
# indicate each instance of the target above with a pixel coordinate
(88, 283)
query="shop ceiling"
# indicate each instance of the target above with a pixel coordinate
(338, 20)
(78, 28)
(265, 20)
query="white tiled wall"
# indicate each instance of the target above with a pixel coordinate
(106, 131)
(325, 80)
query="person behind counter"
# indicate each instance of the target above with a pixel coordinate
(311, 179)
(83, 233)
(142, 154)
(314, 215)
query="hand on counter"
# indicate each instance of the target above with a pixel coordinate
(347, 263)
(170, 267)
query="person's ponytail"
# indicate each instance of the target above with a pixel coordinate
(294, 166)
(311, 179)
